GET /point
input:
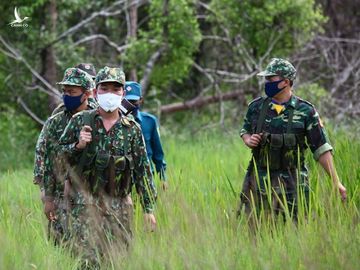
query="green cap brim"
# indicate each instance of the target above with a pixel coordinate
(266, 73)
(69, 83)
(111, 80)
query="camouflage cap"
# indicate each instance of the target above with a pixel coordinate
(77, 77)
(88, 68)
(279, 67)
(108, 74)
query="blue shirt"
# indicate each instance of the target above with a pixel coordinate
(150, 129)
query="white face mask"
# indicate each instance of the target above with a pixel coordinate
(109, 102)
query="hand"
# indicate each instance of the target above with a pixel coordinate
(342, 191)
(150, 222)
(253, 140)
(85, 137)
(49, 210)
(164, 185)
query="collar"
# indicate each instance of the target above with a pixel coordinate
(291, 102)
(138, 116)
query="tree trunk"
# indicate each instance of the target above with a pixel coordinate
(133, 18)
(48, 57)
(201, 101)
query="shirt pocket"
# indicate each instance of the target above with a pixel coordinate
(298, 127)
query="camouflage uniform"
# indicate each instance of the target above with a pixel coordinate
(100, 180)
(49, 168)
(40, 144)
(282, 147)
(89, 69)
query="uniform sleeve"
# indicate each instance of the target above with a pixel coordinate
(158, 153)
(142, 174)
(70, 138)
(316, 135)
(246, 128)
(49, 179)
(40, 156)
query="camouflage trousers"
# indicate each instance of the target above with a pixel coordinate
(280, 193)
(57, 229)
(99, 227)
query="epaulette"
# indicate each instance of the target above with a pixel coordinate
(79, 113)
(129, 121)
(255, 100)
(55, 115)
(305, 101)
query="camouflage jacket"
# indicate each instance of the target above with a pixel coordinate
(305, 122)
(43, 147)
(113, 143)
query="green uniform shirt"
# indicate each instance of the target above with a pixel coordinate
(113, 142)
(306, 124)
(306, 121)
(40, 148)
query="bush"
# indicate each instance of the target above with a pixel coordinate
(17, 141)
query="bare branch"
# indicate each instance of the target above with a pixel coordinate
(149, 68)
(19, 57)
(29, 111)
(333, 39)
(119, 49)
(102, 13)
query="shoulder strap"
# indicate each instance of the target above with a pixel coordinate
(261, 119)
(89, 120)
(291, 114)
(126, 140)
(290, 119)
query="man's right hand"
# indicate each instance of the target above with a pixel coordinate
(85, 137)
(49, 210)
(150, 222)
(252, 140)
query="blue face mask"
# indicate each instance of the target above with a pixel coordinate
(271, 88)
(72, 103)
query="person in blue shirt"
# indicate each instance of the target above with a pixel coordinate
(150, 129)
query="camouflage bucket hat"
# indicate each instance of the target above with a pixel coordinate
(77, 77)
(88, 68)
(108, 74)
(279, 67)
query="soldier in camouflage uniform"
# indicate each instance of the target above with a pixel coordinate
(278, 128)
(77, 86)
(40, 145)
(89, 69)
(106, 151)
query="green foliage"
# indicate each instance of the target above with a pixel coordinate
(313, 93)
(259, 23)
(17, 140)
(174, 27)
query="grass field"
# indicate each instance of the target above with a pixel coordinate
(197, 228)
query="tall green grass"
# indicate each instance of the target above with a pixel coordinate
(197, 228)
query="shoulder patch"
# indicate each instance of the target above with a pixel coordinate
(256, 100)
